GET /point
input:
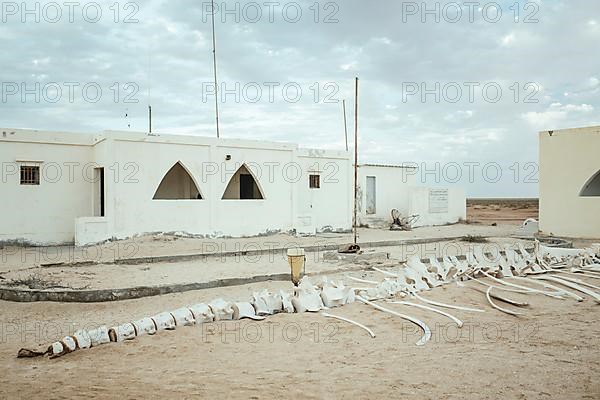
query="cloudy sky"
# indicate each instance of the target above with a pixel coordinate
(453, 87)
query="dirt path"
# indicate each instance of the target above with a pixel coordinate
(552, 352)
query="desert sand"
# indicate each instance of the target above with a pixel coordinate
(552, 352)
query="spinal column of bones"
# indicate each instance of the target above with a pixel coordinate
(546, 266)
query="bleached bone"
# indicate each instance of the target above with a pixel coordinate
(497, 307)
(307, 297)
(351, 322)
(506, 289)
(417, 272)
(580, 282)
(531, 259)
(222, 310)
(267, 303)
(391, 287)
(461, 267)
(558, 290)
(98, 336)
(144, 326)
(202, 313)
(421, 324)
(286, 301)
(471, 260)
(482, 259)
(436, 268)
(183, 317)
(336, 295)
(560, 253)
(122, 332)
(362, 280)
(429, 278)
(556, 295)
(571, 285)
(245, 310)
(443, 305)
(525, 254)
(517, 263)
(69, 344)
(392, 274)
(452, 317)
(56, 349)
(164, 321)
(583, 273)
(83, 339)
(496, 296)
(449, 268)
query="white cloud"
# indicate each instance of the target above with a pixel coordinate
(556, 115)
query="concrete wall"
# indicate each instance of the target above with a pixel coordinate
(393, 185)
(396, 189)
(437, 206)
(44, 213)
(134, 166)
(569, 158)
(68, 209)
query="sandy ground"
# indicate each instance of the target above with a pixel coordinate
(501, 211)
(111, 276)
(12, 257)
(551, 353)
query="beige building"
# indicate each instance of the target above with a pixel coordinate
(570, 182)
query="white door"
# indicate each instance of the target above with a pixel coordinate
(371, 195)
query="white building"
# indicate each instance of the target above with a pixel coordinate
(62, 187)
(383, 188)
(570, 182)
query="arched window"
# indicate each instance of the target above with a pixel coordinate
(243, 186)
(592, 186)
(177, 184)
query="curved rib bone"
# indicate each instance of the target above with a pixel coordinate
(362, 280)
(435, 303)
(452, 317)
(557, 295)
(496, 296)
(421, 324)
(579, 281)
(571, 285)
(558, 290)
(497, 307)
(350, 321)
(498, 287)
(385, 272)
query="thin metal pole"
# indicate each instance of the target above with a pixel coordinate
(149, 119)
(215, 66)
(345, 124)
(355, 157)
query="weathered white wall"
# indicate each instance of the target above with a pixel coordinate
(135, 164)
(45, 213)
(330, 206)
(568, 159)
(429, 205)
(280, 170)
(393, 185)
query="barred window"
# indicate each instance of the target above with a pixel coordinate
(314, 181)
(30, 175)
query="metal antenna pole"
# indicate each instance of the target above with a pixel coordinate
(355, 157)
(215, 66)
(345, 123)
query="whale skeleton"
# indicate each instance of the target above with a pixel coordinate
(544, 264)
